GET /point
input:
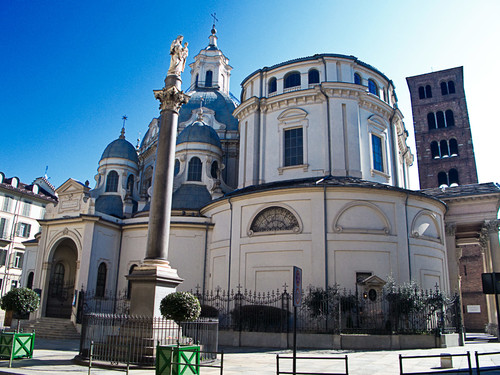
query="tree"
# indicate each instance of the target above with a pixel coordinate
(21, 301)
(180, 307)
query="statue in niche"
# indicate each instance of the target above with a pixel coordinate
(178, 56)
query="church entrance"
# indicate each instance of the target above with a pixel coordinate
(61, 280)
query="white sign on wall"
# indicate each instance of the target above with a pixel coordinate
(473, 309)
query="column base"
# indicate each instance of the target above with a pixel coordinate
(150, 283)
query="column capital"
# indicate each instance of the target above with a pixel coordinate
(451, 229)
(491, 226)
(171, 98)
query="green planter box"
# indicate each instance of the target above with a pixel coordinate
(16, 345)
(177, 360)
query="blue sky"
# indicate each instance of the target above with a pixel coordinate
(70, 70)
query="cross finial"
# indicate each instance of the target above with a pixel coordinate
(122, 135)
(215, 19)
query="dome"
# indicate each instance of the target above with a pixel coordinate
(120, 148)
(217, 101)
(199, 132)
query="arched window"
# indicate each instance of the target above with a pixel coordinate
(440, 119)
(435, 150)
(112, 182)
(194, 169)
(208, 78)
(357, 79)
(451, 87)
(292, 80)
(29, 283)
(130, 184)
(273, 86)
(450, 119)
(453, 147)
(313, 76)
(372, 87)
(100, 286)
(444, 88)
(177, 167)
(442, 179)
(428, 91)
(196, 80)
(129, 284)
(443, 146)
(274, 219)
(214, 168)
(421, 92)
(431, 121)
(453, 177)
(57, 286)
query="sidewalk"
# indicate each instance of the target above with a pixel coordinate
(56, 357)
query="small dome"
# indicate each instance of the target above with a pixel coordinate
(120, 148)
(199, 132)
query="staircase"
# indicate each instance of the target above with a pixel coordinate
(51, 328)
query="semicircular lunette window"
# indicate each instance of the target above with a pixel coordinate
(274, 219)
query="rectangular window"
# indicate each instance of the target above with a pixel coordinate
(27, 209)
(378, 159)
(23, 230)
(3, 227)
(6, 203)
(13, 284)
(294, 148)
(3, 257)
(18, 260)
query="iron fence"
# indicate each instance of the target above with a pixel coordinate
(128, 339)
(107, 303)
(395, 311)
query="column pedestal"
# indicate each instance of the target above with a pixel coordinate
(151, 282)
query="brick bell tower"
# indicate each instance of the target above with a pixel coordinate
(443, 138)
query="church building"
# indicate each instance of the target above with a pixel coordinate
(309, 168)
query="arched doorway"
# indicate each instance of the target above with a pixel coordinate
(61, 280)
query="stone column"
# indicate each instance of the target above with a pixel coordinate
(454, 255)
(490, 243)
(154, 279)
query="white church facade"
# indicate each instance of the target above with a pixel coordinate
(309, 170)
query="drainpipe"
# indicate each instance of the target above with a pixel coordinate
(229, 256)
(408, 235)
(118, 268)
(205, 264)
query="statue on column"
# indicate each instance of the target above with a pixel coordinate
(178, 56)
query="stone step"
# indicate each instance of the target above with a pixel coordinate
(51, 328)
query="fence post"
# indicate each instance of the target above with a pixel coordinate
(477, 364)
(90, 355)
(277, 364)
(400, 365)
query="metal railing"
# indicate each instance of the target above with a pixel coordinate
(442, 356)
(128, 339)
(478, 367)
(335, 311)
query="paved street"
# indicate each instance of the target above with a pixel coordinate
(56, 357)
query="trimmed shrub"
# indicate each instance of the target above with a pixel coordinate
(180, 307)
(21, 301)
